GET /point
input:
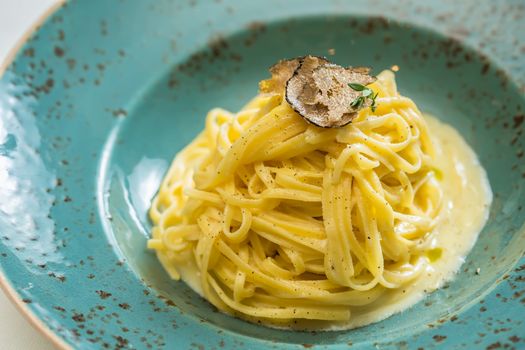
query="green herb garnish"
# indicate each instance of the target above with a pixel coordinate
(366, 93)
(358, 102)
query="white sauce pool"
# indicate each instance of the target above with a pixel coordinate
(467, 199)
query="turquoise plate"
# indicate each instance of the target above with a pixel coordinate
(99, 99)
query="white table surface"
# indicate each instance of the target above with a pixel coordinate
(16, 16)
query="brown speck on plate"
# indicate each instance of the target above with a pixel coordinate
(103, 294)
(59, 52)
(124, 306)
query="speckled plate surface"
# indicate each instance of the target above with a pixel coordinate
(104, 93)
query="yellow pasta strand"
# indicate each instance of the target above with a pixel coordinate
(283, 220)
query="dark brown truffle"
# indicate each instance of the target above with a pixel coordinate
(319, 92)
(281, 72)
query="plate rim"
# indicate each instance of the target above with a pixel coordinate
(12, 295)
(8, 287)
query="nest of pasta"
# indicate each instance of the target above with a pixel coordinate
(284, 220)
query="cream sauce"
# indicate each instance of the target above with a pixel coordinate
(467, 199)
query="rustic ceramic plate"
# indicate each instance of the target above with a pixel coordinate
(99, 99)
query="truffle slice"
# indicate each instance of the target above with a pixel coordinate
(319, 92)
(281, 72)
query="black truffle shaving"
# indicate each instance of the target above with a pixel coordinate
(318, 90)
(281, 72)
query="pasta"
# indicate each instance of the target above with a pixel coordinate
(283, 220)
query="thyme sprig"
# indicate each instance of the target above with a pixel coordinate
(366, 93)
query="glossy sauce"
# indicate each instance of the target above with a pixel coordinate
(467, 199)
